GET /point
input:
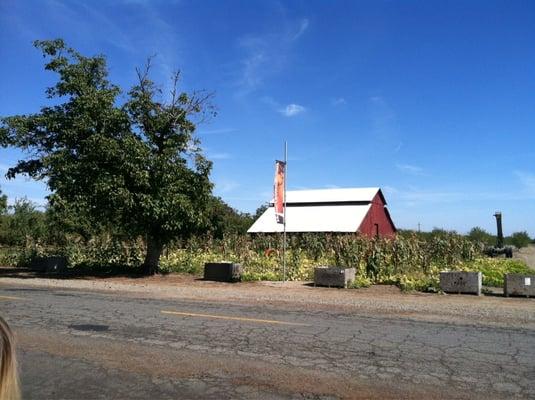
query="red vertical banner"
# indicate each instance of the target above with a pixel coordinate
(278, 190)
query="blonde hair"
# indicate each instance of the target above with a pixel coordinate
(9, 383)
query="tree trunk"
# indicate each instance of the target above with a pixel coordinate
(152, 258)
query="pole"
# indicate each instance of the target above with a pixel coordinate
(284, 212)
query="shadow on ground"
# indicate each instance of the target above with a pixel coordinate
(80, 272)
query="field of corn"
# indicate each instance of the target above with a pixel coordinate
(411, 261)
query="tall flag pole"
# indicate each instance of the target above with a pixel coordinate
(279, 195)
(284, 226)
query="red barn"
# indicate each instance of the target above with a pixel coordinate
(353, 210)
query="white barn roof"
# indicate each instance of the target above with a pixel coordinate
(331, 195)
(325, 210)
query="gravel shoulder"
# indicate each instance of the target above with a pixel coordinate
(378, 300)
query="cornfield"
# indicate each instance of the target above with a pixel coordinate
(409, 260)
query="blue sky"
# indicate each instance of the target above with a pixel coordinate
(434, 101)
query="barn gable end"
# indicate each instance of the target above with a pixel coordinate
(377, 221)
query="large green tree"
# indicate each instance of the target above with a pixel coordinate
(223, 219)
(24, 222)
(479, 235)
(3, 203)
(136, 165)
(519, 239)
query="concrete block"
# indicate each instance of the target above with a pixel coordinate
(50, 265)
(222, 272)
(519, 285)
(461, 282)
(333, 276)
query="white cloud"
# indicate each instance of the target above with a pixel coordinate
(410, 169)
(292, 109)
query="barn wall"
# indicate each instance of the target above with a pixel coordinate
(377, 215)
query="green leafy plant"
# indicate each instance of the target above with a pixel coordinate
(494, 269)
(410, 261)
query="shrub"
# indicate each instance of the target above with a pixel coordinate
(479, 235)
(494, 269)
(519, 239)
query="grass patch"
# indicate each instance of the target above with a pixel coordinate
(260, 276)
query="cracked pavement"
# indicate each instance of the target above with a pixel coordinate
(76, 344)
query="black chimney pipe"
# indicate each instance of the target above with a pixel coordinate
(499, 240)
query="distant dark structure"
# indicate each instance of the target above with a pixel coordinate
(500, 248)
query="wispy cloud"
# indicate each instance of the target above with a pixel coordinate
(389, 189)
(289, 110)
(431, 196)
(303, 26)
(212, 154)
(226, 186)
(527, 180)
(219, 156)
(339, 101)
(219, 131)
(411, 197)
(292, 110)
(415, 196)
(145, 2)
(80, 20)
(384, 122)
(97, 24)
(411, 169)
(266, 54)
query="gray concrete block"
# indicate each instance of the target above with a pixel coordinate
(333, 276)
(519, 285)
(50, 264)
(222, 272)
(461, 282)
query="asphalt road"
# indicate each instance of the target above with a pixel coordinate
(94, 345)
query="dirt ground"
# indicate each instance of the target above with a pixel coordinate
(526, 254)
